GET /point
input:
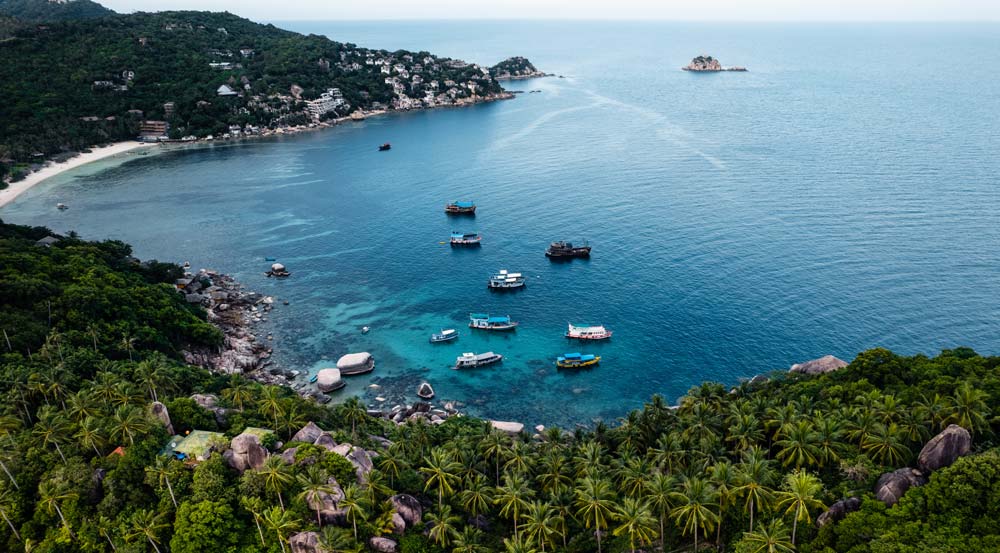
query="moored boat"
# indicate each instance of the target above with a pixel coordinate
(385, 147)
(446, 335)
(588, 332)
(485, 322)
(472, 360)
(506, 281)
(465, 238)
(62, 207)
(567, 249)
(460, 207)
(577, 360)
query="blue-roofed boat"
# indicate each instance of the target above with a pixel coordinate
(465, 238)
(445, 335)
(577, 360)
(483, 321)
(460, 208)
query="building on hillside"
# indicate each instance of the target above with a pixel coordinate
(225, 90)
(327, 102)
(154, 131)
(169, 109)
(196, 446)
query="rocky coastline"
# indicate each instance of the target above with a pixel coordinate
(708, 64)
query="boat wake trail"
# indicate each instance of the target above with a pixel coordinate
(667, 131)
(534, 125)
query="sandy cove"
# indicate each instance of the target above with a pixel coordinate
(51, 169)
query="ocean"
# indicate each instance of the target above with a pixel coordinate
(843, 194)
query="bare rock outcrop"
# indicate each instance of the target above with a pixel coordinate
(408, 508)
(308, 433)
(382, 545)
(944, 449)
(328, 503)
(838, 511)
(159, 411)
(825, 364)
(247, 453)
(304, 542)
(892, 485)
(326, 441)
(328, 380)
(512, 428)
(425, 390)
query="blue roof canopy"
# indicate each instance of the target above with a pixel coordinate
(498, 320)
(464, 204)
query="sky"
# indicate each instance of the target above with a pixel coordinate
(677, 10)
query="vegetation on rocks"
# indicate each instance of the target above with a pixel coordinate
(747, 469)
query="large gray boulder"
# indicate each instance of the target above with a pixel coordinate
(382, 545)
(326, 441)
(358, 457)
(304, 542)
(328, 504)
(159, 411)
(206, 401)
(892, 485)
(425, 390)
(512, 428)
(247, 453)
(945, 448)
(407, 507)
(838, 511)
(328, 380)
(825, 364)
(308, 433)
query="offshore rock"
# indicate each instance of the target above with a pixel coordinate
(838, 511)
(945, 448)
(892, 485)
(425, 390)
(825, 364)
(304, 542)
(328, 380)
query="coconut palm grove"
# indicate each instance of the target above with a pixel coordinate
(888, 454)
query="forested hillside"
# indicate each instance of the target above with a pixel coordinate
(90, 380)
(53, 10)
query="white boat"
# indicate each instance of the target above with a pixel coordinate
(472, 360)
(506, 281)
(588, 332)
(484, 322)
(446, 335)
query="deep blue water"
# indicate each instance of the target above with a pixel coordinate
(841, 195)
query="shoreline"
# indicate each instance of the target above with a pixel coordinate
(50, 169)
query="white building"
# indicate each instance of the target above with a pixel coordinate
(327, 102)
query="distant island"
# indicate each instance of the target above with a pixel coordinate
(709, 64)
(71, 84)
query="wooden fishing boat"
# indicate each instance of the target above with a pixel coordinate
(577, 360)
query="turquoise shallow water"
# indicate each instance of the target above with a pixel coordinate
(841, 195)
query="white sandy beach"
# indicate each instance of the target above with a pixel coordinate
(52, 169)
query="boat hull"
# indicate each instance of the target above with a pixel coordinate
(500, 328)
(569, 254)
(577, 365)
(460, 210)
(441, 339)
(593, 338)
(460, 366)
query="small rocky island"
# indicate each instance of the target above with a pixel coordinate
(709, 64)
(516, 68)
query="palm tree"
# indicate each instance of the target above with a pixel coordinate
(128, 342)
(441, 471)
(90, 434)
(52, 428)
(968, 408)
(276, 477)
(493, 446)
(798, 496)
(147, 524)
(6, 470)
(798, 444)
(772, 538)
(391, 463)
(884, 443)
(553, 475)
(354, 506)
(82, 405)
(753, 476)
(126, 422)
(636, 521)
(593, 504)
(255, 506)
(270, 404)
(588, 460)
(154, 374)
(6, 502)
(315, 483)
(337, 540)
(469, 540)
(160, 471)
(281, 523)
(51, 497)
(476, 495)
(517, 545)
(932, 411)
(513, 497)
(104, 527)
(723, 477)
(829, 432)
(632, 475)
(541, 523)
(443, 524)
(694, 507)
(239, 392)
(354, 412)
(518, 458)
(659, 494)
